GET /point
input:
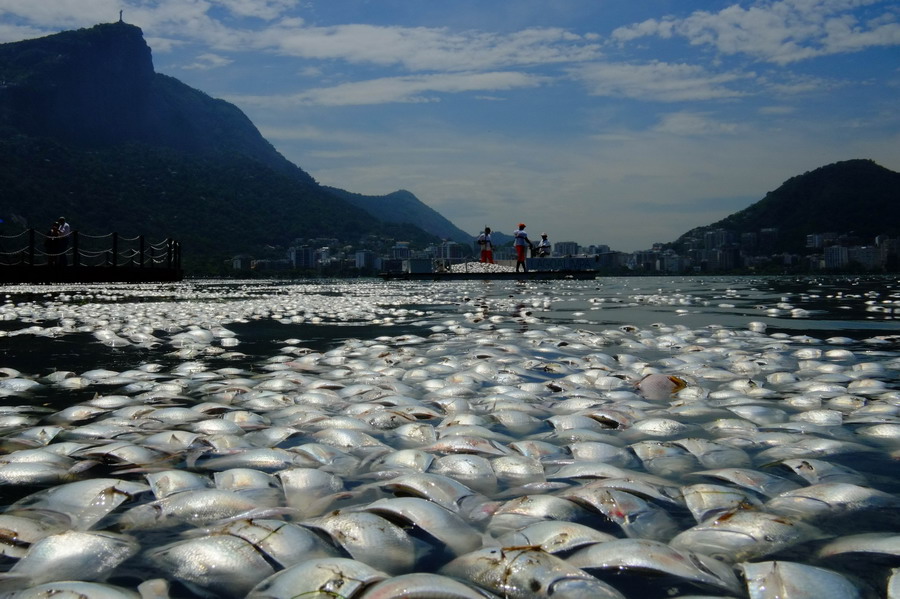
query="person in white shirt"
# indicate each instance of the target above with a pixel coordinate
(487, 248)
(543, 246)
(521, 242)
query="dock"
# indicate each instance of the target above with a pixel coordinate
(33, 257)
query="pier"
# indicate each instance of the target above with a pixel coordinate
(34, 257)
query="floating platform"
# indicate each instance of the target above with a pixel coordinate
(531, 275)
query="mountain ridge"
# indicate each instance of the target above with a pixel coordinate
(91, 100)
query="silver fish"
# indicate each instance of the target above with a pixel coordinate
(827, 500)
(636, 517)
(554, 536)
(442, 524)
(790, 580)
(219, 564)
(369, 538)
(324, 578)
(526, 573)
(652, 556)
(744, 534)
(70, 555)
(422, 585)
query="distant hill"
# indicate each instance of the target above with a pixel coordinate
(403, 207)
(853, 197)
(89, 130)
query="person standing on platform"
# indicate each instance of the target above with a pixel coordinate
(487, 248)
(521, 243)
(65, 231)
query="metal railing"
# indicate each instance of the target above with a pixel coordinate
(34, 248)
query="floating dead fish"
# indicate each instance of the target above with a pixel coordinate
(369, 538)
(447, 527)
(790, 580)
(829, 500)
(744, 534)
(554, 536)
(325, 577)
(70, 555)
(643, 556)
(527, 573)
(421, 584)
(660, 386)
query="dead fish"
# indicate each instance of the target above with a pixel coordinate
(198, 507)
(754, 480)
(744, 534)
(85, 502)
(886, 543)
(219, 564)
(281, 543)
(820, 471)
(526, 573)
(791, 580)
(658, 386)
(19, 532)
(636, 517)
(70, 555)
(421, 585)
(708, 500)
(643, 555)
(77, 589)
(828, 500)
(554, 536)
(444, 525)
(323, 578)
(524, 510)
(369, 538)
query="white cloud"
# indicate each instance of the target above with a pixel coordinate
(695, 124)
(260, 9)
(422, 49)
(657, 81)
(397, 89)
(782, 31)
(209, 61)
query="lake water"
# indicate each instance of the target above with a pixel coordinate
(818, 357)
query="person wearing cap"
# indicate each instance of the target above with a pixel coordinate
(521, 242)
(543, 246)
(487, 248)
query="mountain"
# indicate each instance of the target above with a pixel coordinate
(403, 207)
(88, 129)
(856, 198)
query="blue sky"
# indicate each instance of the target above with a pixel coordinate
(598, 121)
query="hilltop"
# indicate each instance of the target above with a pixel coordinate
(853, 198)
(88, 129)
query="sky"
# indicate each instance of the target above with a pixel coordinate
(610, 122)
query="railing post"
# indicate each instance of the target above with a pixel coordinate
(142, 250)
(75, 260)
(170, 247)
(30, 247)
(115, 249)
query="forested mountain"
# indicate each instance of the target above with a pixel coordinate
(855, 198)
(89, 130)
